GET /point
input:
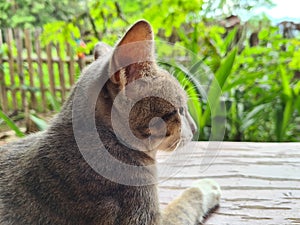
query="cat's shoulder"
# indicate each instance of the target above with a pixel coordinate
(19, 145)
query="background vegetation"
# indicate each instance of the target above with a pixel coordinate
(254, 64)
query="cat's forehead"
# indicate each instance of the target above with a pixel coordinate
(171, 87)
(159, 84)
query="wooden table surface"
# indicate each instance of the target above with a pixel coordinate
(260, 182)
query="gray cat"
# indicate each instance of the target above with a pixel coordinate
(54, 177)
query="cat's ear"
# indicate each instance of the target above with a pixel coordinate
(133, 55)
(101, 49)
(140, 31)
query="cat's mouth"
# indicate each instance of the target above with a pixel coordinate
(175, 145)
(178, 143)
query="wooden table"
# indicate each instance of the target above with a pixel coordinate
(260, 181)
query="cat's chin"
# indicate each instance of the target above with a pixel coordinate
(183, 142)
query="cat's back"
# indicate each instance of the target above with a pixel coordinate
(13, 157)
(12, 162)
(14, 151)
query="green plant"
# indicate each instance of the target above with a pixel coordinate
(263, 93)
(29, 13)
(259, 84)
(40, 123)
(11, 124)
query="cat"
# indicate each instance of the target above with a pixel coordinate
(61, 176)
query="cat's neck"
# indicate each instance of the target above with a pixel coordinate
(62, 133)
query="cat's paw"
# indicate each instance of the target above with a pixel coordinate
(211, 193)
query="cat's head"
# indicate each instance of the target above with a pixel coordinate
(142, 103)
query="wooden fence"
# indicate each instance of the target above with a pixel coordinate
(32, 75)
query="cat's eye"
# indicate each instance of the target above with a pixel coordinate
(169, 115)
(181, 110)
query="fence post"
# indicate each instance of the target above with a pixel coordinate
(9, 40)
(40, 68)
(50, 70)
(71, 66)
(28, 46)
(61, 73)
(19, 45)
(3, 93)
(26, 68)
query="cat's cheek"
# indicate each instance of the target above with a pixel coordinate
(170, 143)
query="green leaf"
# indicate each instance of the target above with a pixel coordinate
(226, 67)
(252, 116)
(218, 82)
(41, 124)
(297, 88)
(53, 102)
(298, 104)
(287, 114)
(11, 124)
(229, 38)
(287, 90)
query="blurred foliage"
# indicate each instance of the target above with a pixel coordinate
(263, 91)
(36, 13)
(258, 83)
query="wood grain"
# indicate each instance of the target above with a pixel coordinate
(260, 181)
